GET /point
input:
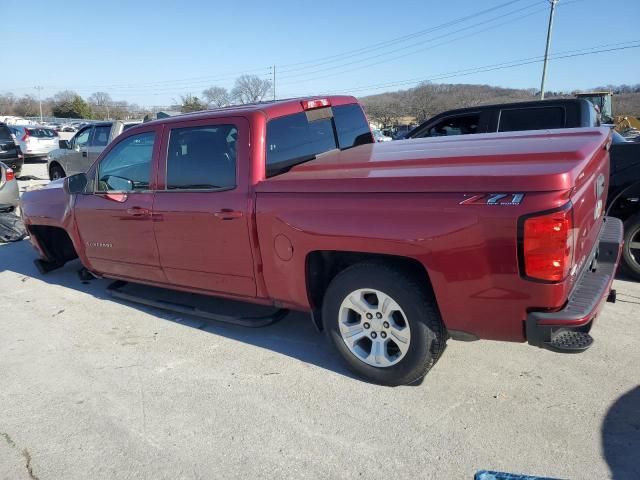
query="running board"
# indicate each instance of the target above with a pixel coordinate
(202, 306)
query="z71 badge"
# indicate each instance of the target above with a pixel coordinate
(503, 199)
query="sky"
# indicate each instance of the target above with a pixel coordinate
(152, 52)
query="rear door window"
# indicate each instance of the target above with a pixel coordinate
(202, 158)
(100, 136)
(537, 118)
(300, 137)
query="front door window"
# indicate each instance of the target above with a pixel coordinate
(127, 167)
(82, 138)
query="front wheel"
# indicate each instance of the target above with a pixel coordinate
(384, 323)
(56, 172)
(631, 249)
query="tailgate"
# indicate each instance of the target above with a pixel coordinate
(589, 198)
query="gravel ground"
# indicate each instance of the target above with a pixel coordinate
(93, 388)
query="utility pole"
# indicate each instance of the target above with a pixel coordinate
(546, 50)
(274, 83)
(39, 89)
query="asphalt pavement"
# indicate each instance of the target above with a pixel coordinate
(94, 388)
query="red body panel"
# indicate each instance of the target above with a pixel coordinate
(406, 198)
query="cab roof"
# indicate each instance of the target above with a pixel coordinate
(271, 109)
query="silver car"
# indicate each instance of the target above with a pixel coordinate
(35, 141)
(78, 154)
(9, 193)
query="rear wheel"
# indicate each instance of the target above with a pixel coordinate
(56, 172)
(631, 249)
(384, 323)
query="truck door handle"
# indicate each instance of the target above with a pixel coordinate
(84, 153)
(228, 214)
(138, 212)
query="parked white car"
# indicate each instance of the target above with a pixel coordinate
(8, 189)
(380, 137)
(35, 141)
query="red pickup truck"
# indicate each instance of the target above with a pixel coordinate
(392, 247)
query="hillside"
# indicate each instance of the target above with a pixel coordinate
(428, 99)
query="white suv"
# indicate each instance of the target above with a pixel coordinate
(35, 141)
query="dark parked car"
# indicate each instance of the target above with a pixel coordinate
(510, 117)
(10, 153)
(624, 181)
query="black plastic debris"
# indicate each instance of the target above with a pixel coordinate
(11, 228)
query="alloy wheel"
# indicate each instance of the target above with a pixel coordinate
(374, 327)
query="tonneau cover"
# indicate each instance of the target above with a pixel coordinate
(541, 160)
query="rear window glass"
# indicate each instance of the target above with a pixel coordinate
(300, 137)
(5, 134)
(531, 119)
(42, 132)
(351, 125)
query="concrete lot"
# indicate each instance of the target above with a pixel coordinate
(92, 388)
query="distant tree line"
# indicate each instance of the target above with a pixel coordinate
(69, 104)
(100, 105)
(388, 109)
(428, 99)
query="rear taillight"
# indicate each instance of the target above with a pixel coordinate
(9, 175)
(547, 246)
(25, 137)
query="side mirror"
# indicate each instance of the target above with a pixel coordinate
(64, 144)
(75, 183)
(117, 184)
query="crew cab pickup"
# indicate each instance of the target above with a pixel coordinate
(392, 247)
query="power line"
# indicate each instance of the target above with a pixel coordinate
(424, 49)
(495, 67)
(351, 53)
(280, 76)
(403, 48)
(431, 47)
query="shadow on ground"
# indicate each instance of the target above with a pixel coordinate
(294, 336)
(621, 436)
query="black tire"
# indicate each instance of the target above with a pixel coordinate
(428, 335)
(56, 172)
(631, 256)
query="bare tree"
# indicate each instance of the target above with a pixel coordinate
(26, 106)
(250, 89)
(102, 100)
(191, 104)
(7, 101)
(217, 96)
